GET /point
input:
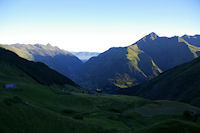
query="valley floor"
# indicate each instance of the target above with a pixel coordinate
(38, 108)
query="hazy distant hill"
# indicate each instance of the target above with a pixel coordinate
(84, 56)
(127, 66)
(180, 83)
(57, 59)
(194, 40)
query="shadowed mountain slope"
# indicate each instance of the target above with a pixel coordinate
(57, 59)
(180, 83)
(128, 66)
(193, 40)
(37, 71)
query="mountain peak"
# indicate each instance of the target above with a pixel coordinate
(151, 36)
(49, 45)
(38, 45)
(186, 36)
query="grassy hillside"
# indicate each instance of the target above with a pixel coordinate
(60, 60)
(180, 83)
(35, 107)
(128, 66)
(37, 71)
(176, 126)
(38, 108)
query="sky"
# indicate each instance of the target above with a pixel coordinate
(95, 25)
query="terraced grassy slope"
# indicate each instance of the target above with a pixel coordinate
(35, 107)
(128, 66)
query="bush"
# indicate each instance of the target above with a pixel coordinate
(68, 111)
(115, 110)
(78, 117)
(191, 115)
(113, 117)
(187, 114)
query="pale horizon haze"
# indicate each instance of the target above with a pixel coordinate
(95, 25)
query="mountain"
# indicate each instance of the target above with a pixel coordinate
(60, 60)
(118, 67)
(123, 67)
(194, 40)
(84, 56)
(46, 101)
(14, 66)
(180, 83)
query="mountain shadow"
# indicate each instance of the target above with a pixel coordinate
(128, 66)
(180, 83)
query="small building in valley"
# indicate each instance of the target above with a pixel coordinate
(98, 90)
(10, 86)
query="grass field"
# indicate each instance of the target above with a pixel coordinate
(38, 108)
(56, 108)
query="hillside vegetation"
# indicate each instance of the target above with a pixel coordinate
(180, 83)
(52, 106)
(60, 60)
(36, 70)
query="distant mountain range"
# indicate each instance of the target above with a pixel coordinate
(84, 56)
(57, 59)
(194, 40)
(118, 67)
(180, 83)
(123, 67)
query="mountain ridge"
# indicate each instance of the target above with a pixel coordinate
(123, 67)
(56, 58)
(180, 83)
(38, 71)
(118, 67)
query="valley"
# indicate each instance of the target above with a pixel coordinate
(99, 66)
(41, 99)
(118, 67)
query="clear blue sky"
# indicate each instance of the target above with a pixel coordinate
(95, 25)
